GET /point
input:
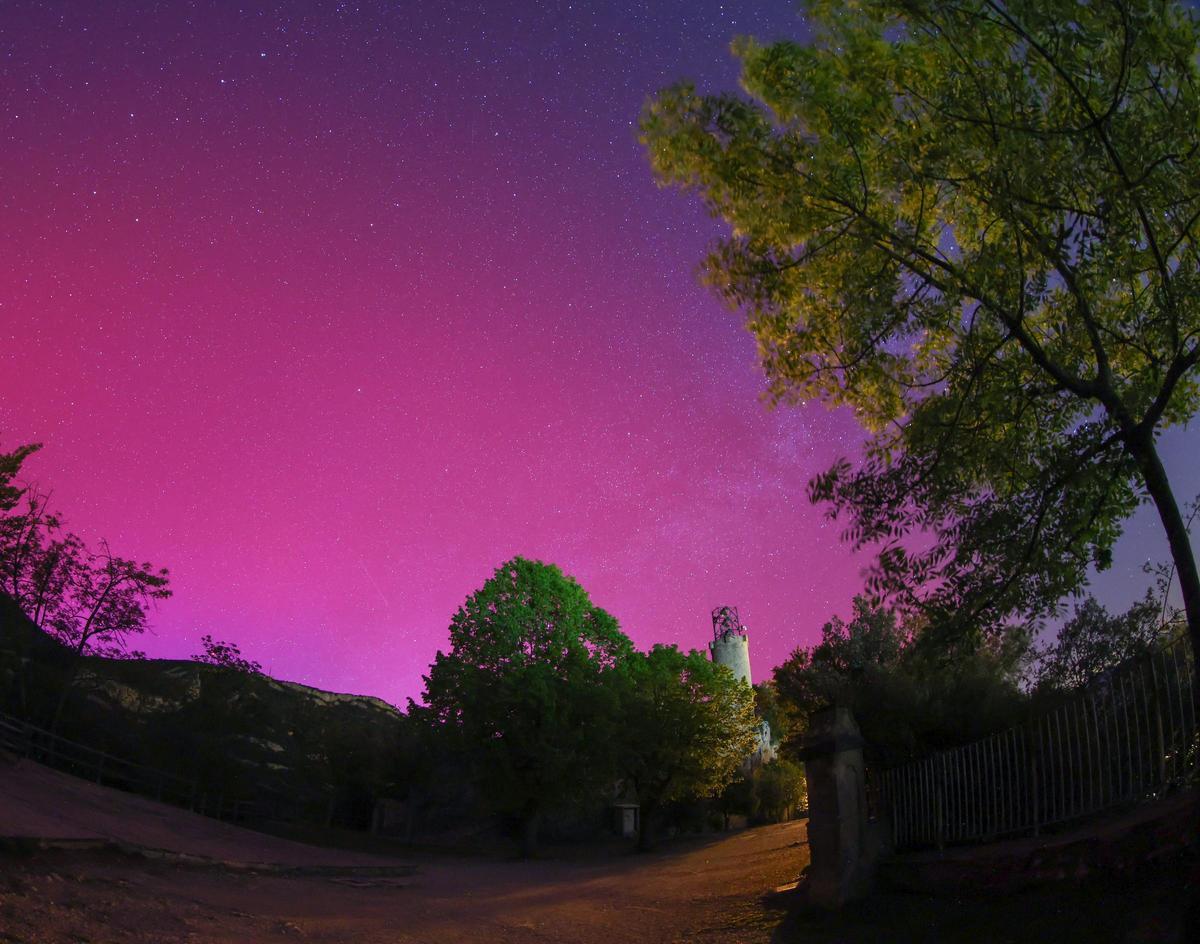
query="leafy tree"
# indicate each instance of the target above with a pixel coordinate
(768, 708)
(778, 790)
(35, 554)
(737, 797)
(527, 686)
(849, 657)
(105, 601)
(227, 654)
(973, 223)
(10, 467)
(1092, 641)
(687, 726)
(41, 561)
(91, 602)
(911, 688)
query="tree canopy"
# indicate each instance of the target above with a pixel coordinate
(10, 466)
(525, 685)
(1093, 641)
(227, 654)
(974, 224)
(778, 789)
(911, 688)
(90, 600)
(687, 727)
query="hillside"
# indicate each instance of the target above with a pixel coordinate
(44, 805)
(297, 752)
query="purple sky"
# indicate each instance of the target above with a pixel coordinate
(332, 307)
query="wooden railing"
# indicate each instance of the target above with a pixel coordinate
(1128, 737)
(28, 740)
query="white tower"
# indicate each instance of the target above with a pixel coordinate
(731, 645)
(731, 648)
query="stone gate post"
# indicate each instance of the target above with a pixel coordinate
(837, 809)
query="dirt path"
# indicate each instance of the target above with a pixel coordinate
(718, 888)
(696, 890)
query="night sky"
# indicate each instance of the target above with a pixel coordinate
(331, 308)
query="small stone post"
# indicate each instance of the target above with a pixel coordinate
(837, 809)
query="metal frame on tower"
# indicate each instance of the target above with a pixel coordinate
(726, 622)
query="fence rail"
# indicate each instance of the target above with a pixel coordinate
(1128, 737)
(28, 740)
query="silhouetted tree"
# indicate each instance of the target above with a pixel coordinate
(851, 655)
(105, 601)
(911, 687)
(91, 602)
(1092, 641)
(11, 489)
(227, 654)
(34, 551)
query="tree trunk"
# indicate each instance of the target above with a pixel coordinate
(67, 689)
(1159, 487)
(529, 832)
(1157, 484)
(645, 839)
(410, 815)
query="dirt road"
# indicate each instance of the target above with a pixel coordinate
(719, 887)
(695, 890)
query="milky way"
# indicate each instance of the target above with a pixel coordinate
(331, 308)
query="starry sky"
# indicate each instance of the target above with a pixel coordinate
(333, 307)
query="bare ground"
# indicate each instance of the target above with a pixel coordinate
(695, 891)
(700, 889)
(729, 888)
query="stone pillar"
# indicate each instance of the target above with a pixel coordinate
(837, 809)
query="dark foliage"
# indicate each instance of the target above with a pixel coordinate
(911, 688)
(1092, 642)
(228, 654)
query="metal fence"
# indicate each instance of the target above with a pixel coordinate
(1128, 737)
